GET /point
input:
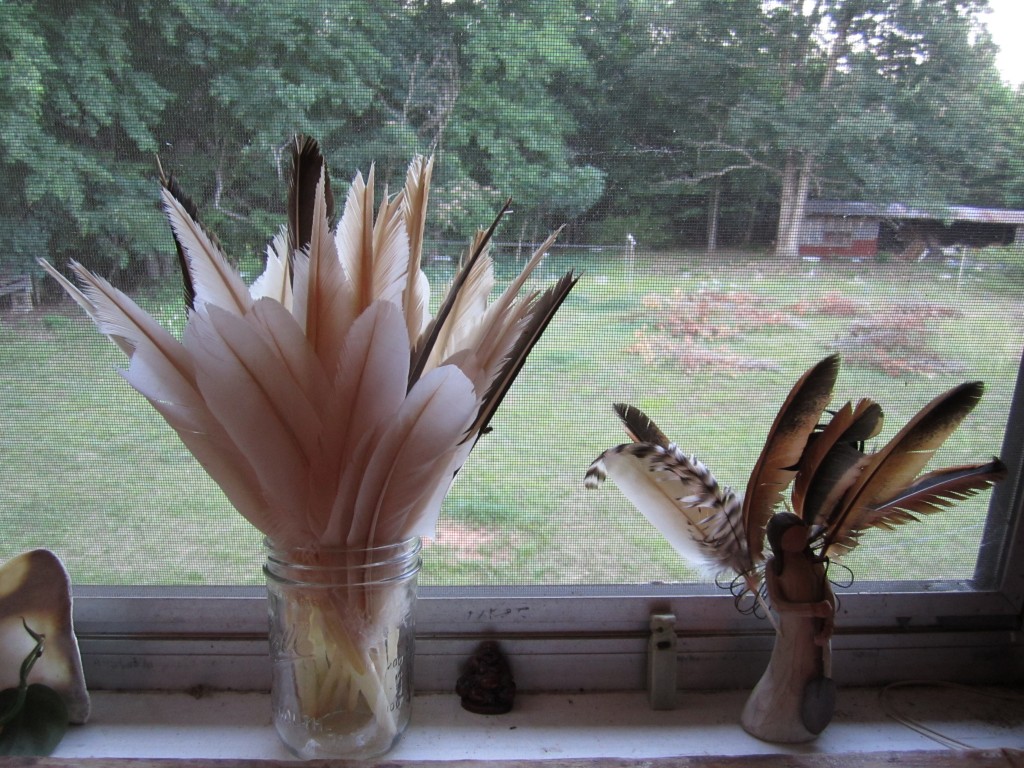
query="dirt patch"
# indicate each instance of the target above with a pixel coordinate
(465, 540)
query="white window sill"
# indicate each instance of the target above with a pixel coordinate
(547, 726)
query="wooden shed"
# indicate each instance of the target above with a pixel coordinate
(845, 228)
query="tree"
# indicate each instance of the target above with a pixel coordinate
(505, 131)
(77, 123)
(873, 96)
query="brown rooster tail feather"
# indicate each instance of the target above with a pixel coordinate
(930, 493)
(833, 460)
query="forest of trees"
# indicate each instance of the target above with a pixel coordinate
(684, 123)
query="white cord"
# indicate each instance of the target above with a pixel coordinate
(924, 730)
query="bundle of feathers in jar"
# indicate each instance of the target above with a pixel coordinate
(325, 400)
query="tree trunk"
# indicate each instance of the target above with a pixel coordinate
(799, 168)
(714, 203)
(796, 183)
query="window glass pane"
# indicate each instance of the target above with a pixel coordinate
(665, 135)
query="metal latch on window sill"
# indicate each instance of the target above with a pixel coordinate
(661, 661)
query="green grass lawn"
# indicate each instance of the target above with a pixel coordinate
(708, 347)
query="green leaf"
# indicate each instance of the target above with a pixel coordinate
(40, 724)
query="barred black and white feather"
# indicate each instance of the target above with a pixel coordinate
(682, 499)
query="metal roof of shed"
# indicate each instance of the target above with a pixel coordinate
(900, 211)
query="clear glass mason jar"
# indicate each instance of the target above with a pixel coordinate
(341, 643)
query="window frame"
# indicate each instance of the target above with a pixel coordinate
(595, 638)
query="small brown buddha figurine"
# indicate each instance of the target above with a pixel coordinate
(795, 697)
(486, 686)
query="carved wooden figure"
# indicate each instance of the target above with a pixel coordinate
(795, 697)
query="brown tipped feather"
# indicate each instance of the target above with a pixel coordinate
(425, 344)
(833, 460)
(787, 438)
(307, 167)
(893, 469)
(543, 309)
(174, 188)
(639, 426)
(929, 494)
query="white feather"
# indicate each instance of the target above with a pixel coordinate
(215, 281)
(433, 418)
(366, 395)
(328, 302)
(246, 388)
(417, 290)
(390, 252)
(669, 489)
(276, 281)
(185, 411)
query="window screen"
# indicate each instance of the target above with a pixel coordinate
(746, 188)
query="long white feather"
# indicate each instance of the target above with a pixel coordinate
(433, 417)
(422, 519)
(354, 240)
(126, 323)
(162, 371)
(182, 407)
(467, 312)
(216, 282)
(390, 252)
(246, 388)
(276, 281)
(328, 294)
(417, 290)
(366, 395)
(281, 332)
(680, 497)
